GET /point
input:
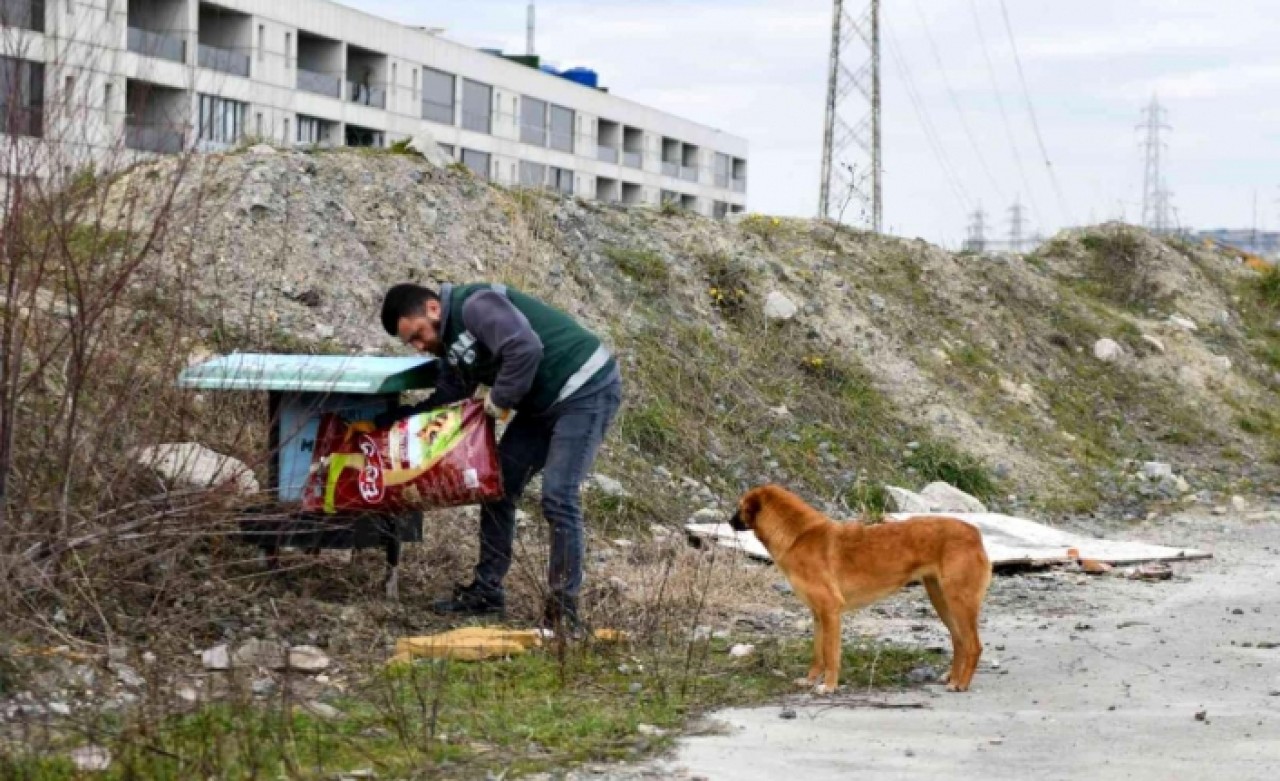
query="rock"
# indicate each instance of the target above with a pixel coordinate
(784, 588)
(266, 654)
(608, 486)
(900, 500)
(780, 411)
(1152, 571)
(635, 688)
(1185, 323)
(263, 686)
(1222, 363)
(1219, 510)
(787, 714)
(1239, 504)
(128, 676)
(192, 465)
(216, 658)
(922, 675)
(1155, 343)
(187, 693)
(425, 144)
(1095, 567)
(322, 710)
(324, 331)
(618, 585)
(779, 308)
(709, 515)
(59, 708)
(1156, 470)
(944, 497)
(1107, 350)
(91, 759)
(118, 653)
(262, 150)
(741, 650)
(307, 659)
(650, 731)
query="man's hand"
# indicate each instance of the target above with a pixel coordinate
(500, 414)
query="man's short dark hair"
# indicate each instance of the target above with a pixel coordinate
(405, 300)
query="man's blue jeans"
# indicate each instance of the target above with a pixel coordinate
(561, 443)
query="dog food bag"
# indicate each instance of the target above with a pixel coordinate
(443, 458)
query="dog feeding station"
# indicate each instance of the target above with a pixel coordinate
(300, 388)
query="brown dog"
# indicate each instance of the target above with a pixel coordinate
(836, 567)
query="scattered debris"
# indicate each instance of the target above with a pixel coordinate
(1095, 567)
(1203, 716)
(741, 650)
(787, 714)
(265, 654)
(216, 658)
(307, 659)
(91, 759)
(1152, 571)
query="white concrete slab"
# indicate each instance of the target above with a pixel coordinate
(1008, 540)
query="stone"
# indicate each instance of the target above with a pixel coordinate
(216, 658)
(1239, 504)
(322, 710)
(779, 308)
(922, 675)
(1155, 343)
(324, 331)
(1185, 323)
(780, 411)
(1107, 350)
(263, 686)
(307, 659)
(650, 731)
(1222, 363)
(128, 676)
(91, 759)
(709, 515)
(424, 143)
(944, 497)
(741, 650)
(265, 654)
(900, 500)
(192, 465)
(877, 302)
(262, 150)
(608, 486)
(1156, 470)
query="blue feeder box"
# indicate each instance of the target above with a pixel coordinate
(300, 388)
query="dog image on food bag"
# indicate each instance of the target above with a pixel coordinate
(838, 567)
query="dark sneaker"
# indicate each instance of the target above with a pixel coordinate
(560, 615)
(472, 600)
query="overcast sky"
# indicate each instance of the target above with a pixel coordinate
(757, 68)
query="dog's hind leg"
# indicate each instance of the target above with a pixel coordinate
(960, 593)
(939, 600)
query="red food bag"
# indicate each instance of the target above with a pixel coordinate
(442, 458)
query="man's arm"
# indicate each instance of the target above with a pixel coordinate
(450, 387)
(499, 326)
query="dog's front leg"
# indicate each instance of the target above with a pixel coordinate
(830, 650)
(817, 666)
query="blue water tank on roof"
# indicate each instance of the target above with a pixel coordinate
(584, 76)
(548, 69)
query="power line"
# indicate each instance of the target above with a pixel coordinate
(955, 101)
(1155, 195)
(1035, 123)
(1017, 221)
(926, 123)
(1004, 116)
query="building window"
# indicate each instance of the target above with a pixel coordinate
(532, 174)
(365, 137)
(477, 106)
(438, 96)
(719, 210)
(288, 50)
(562, 129)
(533, 121)
(262, 42)
(724, 169)
(478, 162)
(106, 96)
(447, 149)
(286, 131)
(314, 132)
(415, 81)
(257, 125)
(21, 97)
(221, 120)
(561, 179)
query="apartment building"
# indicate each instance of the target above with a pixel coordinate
(161, 76)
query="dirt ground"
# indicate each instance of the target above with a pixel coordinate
(1137, 680)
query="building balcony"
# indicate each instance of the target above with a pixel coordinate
(607, 154)
(365, 95)
(670, 169)
(722, 181)
(223, 60)
(319, 83)
(633, 159)
(688, 173)
(154, 138)
(22, 14)
(739, 185)
(159, 45)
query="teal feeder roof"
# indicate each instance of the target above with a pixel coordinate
(311, 374)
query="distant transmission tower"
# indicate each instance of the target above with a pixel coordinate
(1017, 221)
(977, 240)
(529, 48)
(851, 152)
(1156, 212)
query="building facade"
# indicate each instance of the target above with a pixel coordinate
(148, 77)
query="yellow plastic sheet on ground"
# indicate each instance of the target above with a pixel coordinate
(477, 643)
